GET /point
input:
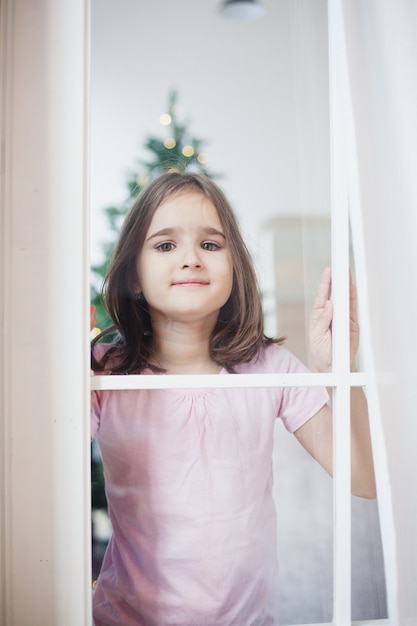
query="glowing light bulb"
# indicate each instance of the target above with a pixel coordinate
(170, 143)
(188, 151)
(202, 157)
(165, 119)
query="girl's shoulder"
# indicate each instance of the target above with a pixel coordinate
(100, 349)
(272, 358)
(98, 353)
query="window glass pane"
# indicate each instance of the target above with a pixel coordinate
(267, 138)
(302, 249)
(304, 500)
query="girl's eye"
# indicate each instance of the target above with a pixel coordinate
(210, 246)
(166, 246)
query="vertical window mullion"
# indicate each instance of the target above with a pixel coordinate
(340, 297)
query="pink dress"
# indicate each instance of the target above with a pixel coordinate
(189, 486)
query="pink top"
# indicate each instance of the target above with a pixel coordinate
(189, 486)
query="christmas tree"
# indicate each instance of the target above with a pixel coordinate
(177, 151)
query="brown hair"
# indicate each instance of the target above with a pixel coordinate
(239, 331)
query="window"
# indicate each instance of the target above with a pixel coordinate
(44, 496)
(298, 245)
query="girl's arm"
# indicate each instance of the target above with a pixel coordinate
(316, 435)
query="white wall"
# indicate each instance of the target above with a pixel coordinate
(228, 74)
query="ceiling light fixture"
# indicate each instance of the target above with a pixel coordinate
(242, 9)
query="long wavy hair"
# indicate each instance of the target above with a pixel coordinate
(239, 332)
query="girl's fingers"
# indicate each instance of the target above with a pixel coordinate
(324, 290)
(322, 322)
(353, 302)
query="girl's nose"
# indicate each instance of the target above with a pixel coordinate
(191, 259)
(192, 263)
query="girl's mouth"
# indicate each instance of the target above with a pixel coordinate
(191, 281)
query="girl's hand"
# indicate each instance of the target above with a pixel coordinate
(353, 325)
(320, 332)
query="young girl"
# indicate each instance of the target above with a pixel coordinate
(189, 472)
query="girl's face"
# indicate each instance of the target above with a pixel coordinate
(185, 268)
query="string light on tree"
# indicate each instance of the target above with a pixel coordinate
(187, 151)
(202, 158)
(170, 143)
(165, 119)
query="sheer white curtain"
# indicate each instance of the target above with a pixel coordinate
(381, 48)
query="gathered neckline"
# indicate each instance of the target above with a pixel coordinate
(184, 391)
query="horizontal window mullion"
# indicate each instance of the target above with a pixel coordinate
(209, 381)
(370, 622)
